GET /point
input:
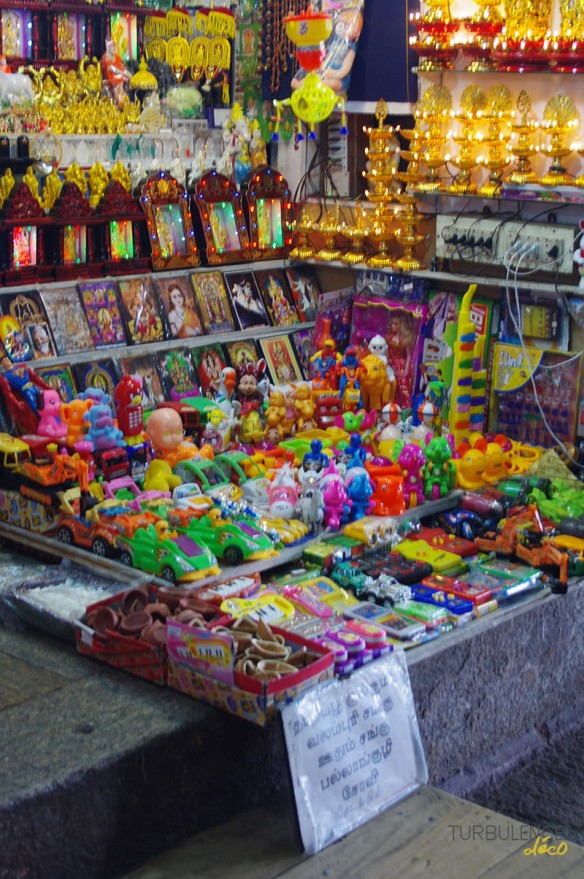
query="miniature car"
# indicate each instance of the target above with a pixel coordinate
(232, 543)
(174, 558)
(87, 534)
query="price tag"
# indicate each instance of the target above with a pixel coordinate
(354, 749)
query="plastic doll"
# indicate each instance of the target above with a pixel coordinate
(359, 491)
(378, 346)
(166, 432)
(49, 409)
(376, 388)
(337, 504)
(349, 374)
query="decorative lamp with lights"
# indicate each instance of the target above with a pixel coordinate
(22, 236)
(74, 226)
(222, 220)
(313, 101)
(270, 214)
(170, 222)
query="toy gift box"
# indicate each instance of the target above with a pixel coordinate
(201, 663)
(520, 410)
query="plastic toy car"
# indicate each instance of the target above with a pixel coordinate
(205, 473)
(88, 534)
(232, 543)
(174, 558)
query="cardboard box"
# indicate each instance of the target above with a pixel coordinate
(121, 651)
(201, 664)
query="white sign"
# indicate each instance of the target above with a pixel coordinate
(354, 749)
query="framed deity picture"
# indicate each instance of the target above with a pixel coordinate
(147, 370)
(67, 320)
(177, 374)
(141, 310)
(248, 305)
(100, 303)
(242, 352)
(178, 302)
(302, 344)
(213, 302)
(277, 298)
(305, 291)
(222, 219)
(209, 362)
(100, 375)
(281, 360)
(60, 378)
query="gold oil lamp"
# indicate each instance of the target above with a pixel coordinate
(560, 117)
(527, 27)
(567, 49)
(433, 42)
(484, 27)
(498, 115)
(330, 228)
(407, 234)
(356, 235)
(434, 110)
(382, 158)
(303, 226)
(473, 102)
(523, 147)
(381, 234)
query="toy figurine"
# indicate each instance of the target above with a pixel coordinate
(159, 477)
(495, 463)
(102, 432)
(276, 415)
(470, 469)
(359, 491)
(349, 374)
(337, 505)
(50, 422)
(376, 388)
(378, 346)
(388, 495)
(73, 414)
(217, 432)
(323, 367)
(19, 386)
(304, 405)
(283, 493)
(356, 454)
(315, 460)
(439, 472)
(411, 461)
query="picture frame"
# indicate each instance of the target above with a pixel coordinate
(146, 368)
(177, 297)
(281, 360)
(248, 306)
(60, 378)
(275, 292)
(223, 223)
(41, 340)
(305, 291)
(302, 344)
(101, 375)
(100, 304)
(209, 361)
(213, 302)
(67, 320)
(242, 352)
(141, 310)
(177, 374)
(170, 223)
(270, 211)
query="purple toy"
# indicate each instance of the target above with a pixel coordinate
(411, 460)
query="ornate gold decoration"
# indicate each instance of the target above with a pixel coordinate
(524, 146)
(473, 102)
(498, 115)
(560, 117)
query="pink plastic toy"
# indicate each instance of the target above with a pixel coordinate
(411, 460)
(50, 423)
(337, 505)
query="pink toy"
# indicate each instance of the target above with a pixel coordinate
(337, 505)
(50, 423)
(411, 460)
(283, 493)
